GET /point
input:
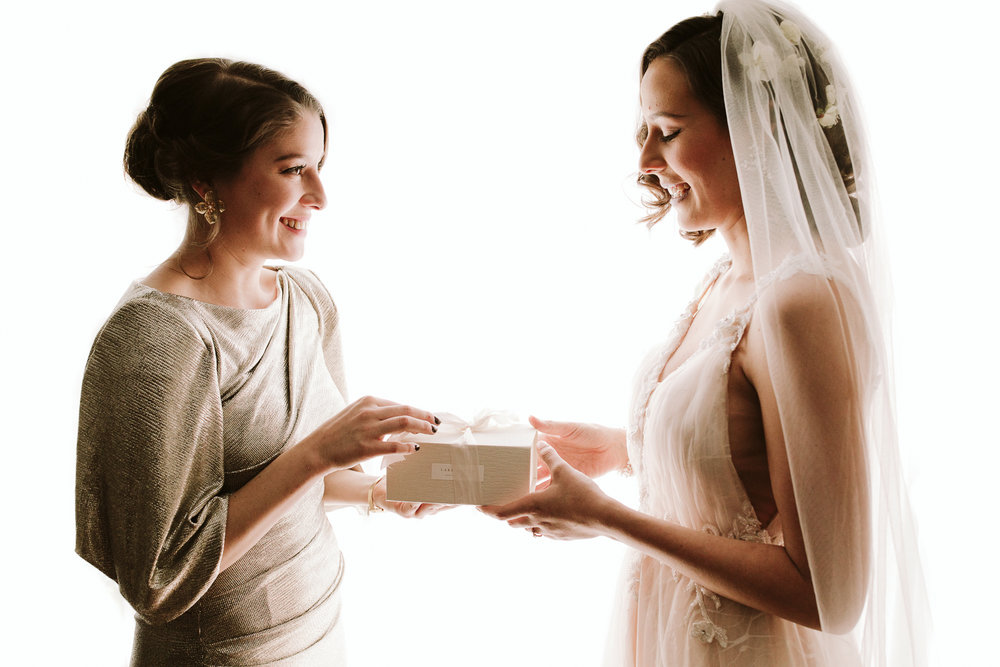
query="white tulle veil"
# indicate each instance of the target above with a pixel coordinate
(816, 243)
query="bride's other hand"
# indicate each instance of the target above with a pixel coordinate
(569, 508)
(590, 448)
(405, 509)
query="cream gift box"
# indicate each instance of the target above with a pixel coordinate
(488, 461)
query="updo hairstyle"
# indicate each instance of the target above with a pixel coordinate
(696, 45)
(205, 117)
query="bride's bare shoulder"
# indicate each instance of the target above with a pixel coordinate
(806, 303)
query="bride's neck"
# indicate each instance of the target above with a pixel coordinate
(737, 240)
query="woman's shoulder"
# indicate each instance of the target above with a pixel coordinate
(802, 283)
(305, 279)
(314, 289)
(145, 316)
(813, 309)
(148, 341)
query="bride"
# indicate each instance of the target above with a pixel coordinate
(773, 527)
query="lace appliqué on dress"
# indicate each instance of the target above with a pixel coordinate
(703, 629)
(729, 332)
(633, 562)
(745, 527)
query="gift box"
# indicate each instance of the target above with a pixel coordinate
(488, 461)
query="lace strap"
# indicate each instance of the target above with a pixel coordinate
(721, 266)
(731, 328)
(798, 264)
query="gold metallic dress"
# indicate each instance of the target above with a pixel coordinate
(184, 402)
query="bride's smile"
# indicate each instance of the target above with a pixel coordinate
(688, 150)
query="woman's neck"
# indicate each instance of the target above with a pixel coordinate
(738, 242)
(215, 275)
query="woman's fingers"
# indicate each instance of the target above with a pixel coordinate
(542, 475)
(552, 427)
(384, 447)
(414, 510)
(407, 509)
(521, 522)
(396, 410)
(359, 431)
(402, 508)
(429, 509)
(422, 510)
(405, 424)
(385, 417)
(536, 422)
(549, 456)
(519, 507)
(373, 402)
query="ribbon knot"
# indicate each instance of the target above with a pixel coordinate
(484, 420)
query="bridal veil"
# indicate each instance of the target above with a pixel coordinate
(818, 251)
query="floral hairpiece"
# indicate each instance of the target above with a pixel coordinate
(829, 116)
(791, 31)
(763, 64)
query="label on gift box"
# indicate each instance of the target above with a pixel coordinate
(448, 471)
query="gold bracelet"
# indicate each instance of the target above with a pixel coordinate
(372, 507)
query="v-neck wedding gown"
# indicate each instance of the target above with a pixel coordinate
(678, 443)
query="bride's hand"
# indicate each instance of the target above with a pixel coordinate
(590, 448)
(402, 508)
(569, 508)
(359, 432)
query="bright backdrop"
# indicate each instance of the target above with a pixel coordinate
(481, 246)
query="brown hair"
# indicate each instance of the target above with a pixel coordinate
(695, 45)
(205, 117)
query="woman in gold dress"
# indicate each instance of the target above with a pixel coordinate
(214, 426)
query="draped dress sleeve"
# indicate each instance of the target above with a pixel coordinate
(149, 508)
(329, 321)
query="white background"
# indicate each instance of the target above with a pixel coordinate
(481, 245)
